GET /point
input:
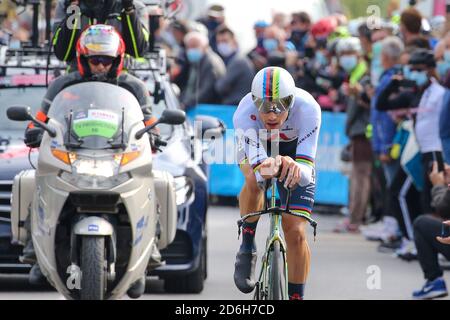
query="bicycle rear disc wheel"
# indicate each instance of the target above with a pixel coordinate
(277, 281)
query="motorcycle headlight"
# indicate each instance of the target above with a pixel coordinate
(83, 181)
(106, 166)
(184, 189)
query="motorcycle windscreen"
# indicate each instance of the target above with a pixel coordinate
(95, 115)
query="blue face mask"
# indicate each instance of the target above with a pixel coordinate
(194, 55)
(348, 63)
(447, 55)
(442, 68)
(420, 77)
(406, 71)
(270, 44)
(321, 59)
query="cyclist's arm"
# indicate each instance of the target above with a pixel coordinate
(246, 132)
(309, 119)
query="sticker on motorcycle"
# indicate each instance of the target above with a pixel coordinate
(96, 123)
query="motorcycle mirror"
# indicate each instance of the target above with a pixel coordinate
(19, 113)
(23, 113)
(172, 117)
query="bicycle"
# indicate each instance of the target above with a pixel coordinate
(272, 282)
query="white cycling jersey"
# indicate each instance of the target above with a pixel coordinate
(302, 125)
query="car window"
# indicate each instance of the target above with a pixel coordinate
(31, 97)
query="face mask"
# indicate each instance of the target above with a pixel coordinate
(376, 49)
(442, 68)
(194, 55)
(447, 55)
(348, 63)
(225, 49)
(405, 71)
(270, 44)
(321, 59)
(420, 77)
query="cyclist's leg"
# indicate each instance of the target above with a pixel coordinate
(251, 197)
(298, 252)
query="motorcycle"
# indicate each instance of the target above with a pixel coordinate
(93, 198)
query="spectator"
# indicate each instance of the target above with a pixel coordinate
(410, 24)
(180, 72)
(383, 130)
(237, 81)
(259, 28)
(280, 20)
(205, 68)
(300, 27)
(258, 56)
(214, 18)
(358, 116)
(429, 99)
(442, 55)
(444, 127)
(275, 40)
(427, 230)
(365, 36)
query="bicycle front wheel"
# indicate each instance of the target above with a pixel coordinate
(277, 280)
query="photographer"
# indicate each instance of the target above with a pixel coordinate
(125, 16)
(428, 243)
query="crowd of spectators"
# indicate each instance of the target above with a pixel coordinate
(392, 81)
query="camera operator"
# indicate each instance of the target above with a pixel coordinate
(424, 92)
(126, 16)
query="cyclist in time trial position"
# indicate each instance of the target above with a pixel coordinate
(276, 115)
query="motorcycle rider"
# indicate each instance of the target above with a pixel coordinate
(126, 16)
(100, 54)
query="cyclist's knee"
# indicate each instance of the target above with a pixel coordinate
(295, 234)
(251, 183)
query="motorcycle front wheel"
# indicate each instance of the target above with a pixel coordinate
(93, 268)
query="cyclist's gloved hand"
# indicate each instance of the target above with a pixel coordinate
(33, 137)
(127, 5)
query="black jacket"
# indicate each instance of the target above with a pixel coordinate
(129, 25)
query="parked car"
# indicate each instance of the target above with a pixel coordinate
(14, 157)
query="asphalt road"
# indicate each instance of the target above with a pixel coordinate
(343, 267)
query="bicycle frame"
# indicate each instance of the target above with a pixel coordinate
(264, 282)
(275, 236)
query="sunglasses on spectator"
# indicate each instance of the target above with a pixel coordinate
(106, 61)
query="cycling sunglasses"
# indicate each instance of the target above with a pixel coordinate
(106, 61)
(277, 106)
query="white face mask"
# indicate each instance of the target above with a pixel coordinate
(348, 62)
(225, 49)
